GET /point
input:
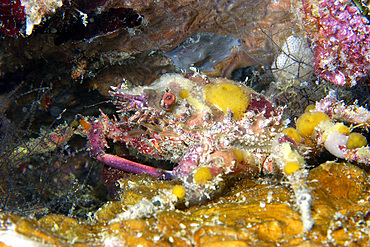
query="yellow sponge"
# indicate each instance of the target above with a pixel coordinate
(356, 140)
(228, 95)
(342, 128)
(178, 191)
(202, 175)
(291, 167)
(307, 122)
(290, 156)
(292, 133)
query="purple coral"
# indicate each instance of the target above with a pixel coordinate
(341, 42)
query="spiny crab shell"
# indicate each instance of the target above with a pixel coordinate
(176, 118)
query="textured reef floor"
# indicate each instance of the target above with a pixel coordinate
(253, 213)
(59, 59)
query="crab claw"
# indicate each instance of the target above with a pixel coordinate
(96, 141)
(133, 167)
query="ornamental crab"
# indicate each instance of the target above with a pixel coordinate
(211, 127)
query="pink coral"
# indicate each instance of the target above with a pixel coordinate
(341, 42)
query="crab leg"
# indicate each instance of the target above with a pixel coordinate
(133, 167)
(337, 110)
(361, 155)
(100, 128)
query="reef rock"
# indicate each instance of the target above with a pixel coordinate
(254, 212)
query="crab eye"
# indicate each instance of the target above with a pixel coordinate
(168, 99)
